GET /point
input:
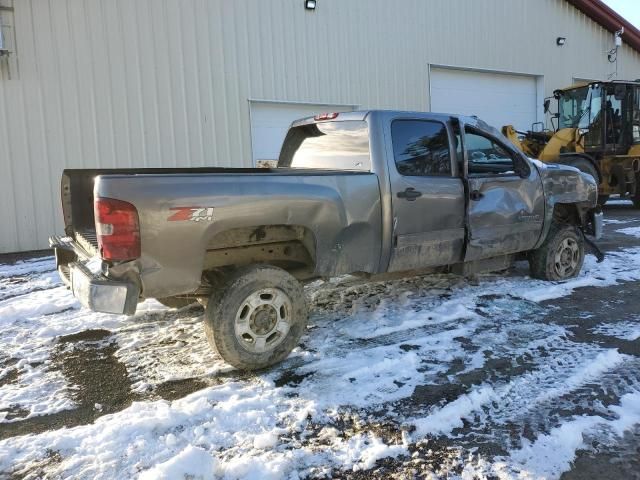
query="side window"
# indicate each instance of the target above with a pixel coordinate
(486, 157)
(421, 148)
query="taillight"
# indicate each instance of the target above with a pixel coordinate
(117, 228)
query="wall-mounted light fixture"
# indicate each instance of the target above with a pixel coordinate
(560, 41)
(310, 4)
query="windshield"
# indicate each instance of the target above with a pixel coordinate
(327, 145)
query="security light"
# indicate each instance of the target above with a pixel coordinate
(310, 4)
(618, 37)
(560, 41)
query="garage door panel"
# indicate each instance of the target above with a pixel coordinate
(270, 122)
(499, 99)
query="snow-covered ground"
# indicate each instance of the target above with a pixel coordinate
(434, 376)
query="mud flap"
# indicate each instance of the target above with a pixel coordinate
(594, 249)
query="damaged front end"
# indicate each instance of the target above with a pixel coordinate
(571, 196)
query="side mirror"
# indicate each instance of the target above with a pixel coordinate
(547, 102)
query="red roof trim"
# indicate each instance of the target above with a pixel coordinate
(609, 19)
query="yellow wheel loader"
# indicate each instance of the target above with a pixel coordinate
(597, 130)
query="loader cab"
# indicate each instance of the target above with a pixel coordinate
(606, 114)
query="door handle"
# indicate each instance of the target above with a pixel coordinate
(476, 195)
(410, 194)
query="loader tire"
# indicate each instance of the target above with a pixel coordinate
(255, 316)
(636, 196)
(561, 255)
(582, 164)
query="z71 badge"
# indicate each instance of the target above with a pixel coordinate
(195, 214)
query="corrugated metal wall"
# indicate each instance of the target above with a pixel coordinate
(167, 82)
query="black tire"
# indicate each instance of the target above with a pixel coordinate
(177, 302)
(636, 196)
(250, 337)
(561, 255)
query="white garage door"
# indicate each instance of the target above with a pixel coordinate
(270, 122)
(499, 99)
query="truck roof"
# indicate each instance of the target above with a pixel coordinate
(363, 114)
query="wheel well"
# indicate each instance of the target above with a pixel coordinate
(291, 247)
(567, 213)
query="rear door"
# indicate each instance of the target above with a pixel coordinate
(505, 198)
(427, 195)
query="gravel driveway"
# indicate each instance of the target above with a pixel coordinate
(426, 377)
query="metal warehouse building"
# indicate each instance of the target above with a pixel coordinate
(106, 83)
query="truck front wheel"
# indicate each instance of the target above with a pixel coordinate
(561, 255)
(255, 316)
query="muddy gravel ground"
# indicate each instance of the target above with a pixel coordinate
(497, 376)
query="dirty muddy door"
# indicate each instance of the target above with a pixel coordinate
(427, 195)
(505, 198)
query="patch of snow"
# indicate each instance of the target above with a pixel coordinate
(444, 420)
(634, 231)
(363, 450)
(551, 454)
(615, 221)
(24, 267)
(383, 324)
(629, 330)
(192, 462)
(555, 379)
(618, 201)
(221, 429)
(265, 440)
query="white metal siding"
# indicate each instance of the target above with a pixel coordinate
(270, 122)
(497, 98)
(168, 82)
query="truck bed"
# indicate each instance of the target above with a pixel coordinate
(77, 191)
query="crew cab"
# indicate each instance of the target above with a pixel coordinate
(368, 193)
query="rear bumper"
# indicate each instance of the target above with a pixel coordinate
(84, 276)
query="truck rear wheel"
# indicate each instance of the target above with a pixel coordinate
(561, 255)
(255, 316)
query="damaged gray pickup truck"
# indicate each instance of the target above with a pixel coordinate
(365, 193)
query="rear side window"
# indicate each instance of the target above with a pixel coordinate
(327, 145)
(421, 148)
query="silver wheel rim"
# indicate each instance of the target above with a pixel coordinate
(263, 320)
(566, 258)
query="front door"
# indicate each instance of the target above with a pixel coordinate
(427, 196)
(505, 199)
